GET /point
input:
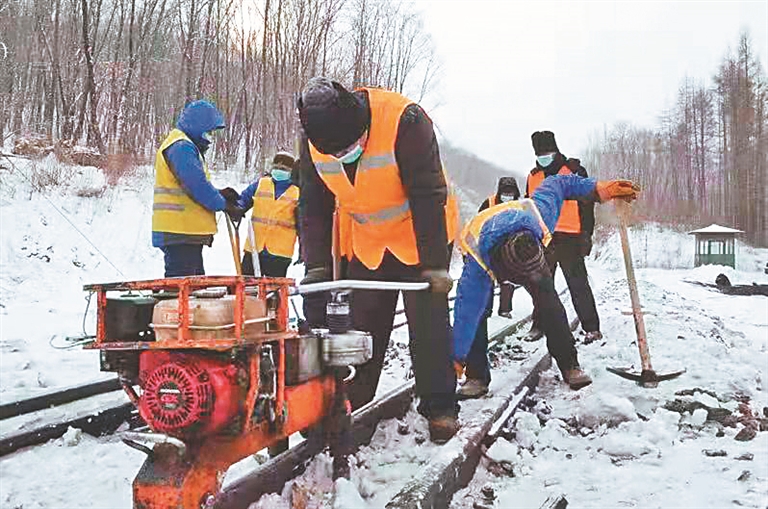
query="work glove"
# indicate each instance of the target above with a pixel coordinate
(439, 280)
(616, 189)
(314, 304)
(585, 244)
(317, 275)
(234, 212)
(230, 195)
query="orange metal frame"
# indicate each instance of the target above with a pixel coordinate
(168, 481)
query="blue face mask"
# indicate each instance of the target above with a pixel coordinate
(280, 175)
(507, 197)
(545, 160)
(352, 156)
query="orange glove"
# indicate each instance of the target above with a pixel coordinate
(459, 368)
(617, 189)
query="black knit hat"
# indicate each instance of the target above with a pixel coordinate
(544, 142)
(508, 185)
(283, 160)
(519, 259)
(332, 117)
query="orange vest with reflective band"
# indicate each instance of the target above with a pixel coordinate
(492, 200)
(173, 210)
(469, 240)
(273, 220)
(570, 218)
(374, 213)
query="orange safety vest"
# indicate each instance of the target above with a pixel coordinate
(374, 214)
(273, 220)
(570, 218)
(469, 240)
(492, 200)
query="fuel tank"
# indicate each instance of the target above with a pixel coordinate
(211, 316)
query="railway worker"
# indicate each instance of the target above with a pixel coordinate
(506, 191)
(374, 152)
(572, 236)
(507, 242)
(185, 202)
(273, 231)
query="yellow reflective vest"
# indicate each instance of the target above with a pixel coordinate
(469, 239)
(173, 210)
(374, 214)
(273, 220)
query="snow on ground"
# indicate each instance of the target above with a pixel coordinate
(615, 444)
(44, 263)
(612, 444)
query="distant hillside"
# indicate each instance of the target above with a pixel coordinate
(473, 177)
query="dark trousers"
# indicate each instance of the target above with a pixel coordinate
(374, 311)
(270, 265)
(553, 321)
(565, 251)
(506, 292)
(183, 260)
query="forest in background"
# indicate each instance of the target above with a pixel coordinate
(113, 74)
(707, 160)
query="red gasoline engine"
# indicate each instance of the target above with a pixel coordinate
(188, 395)
(217, 374)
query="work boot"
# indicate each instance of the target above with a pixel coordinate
(592, 336)
(442, 428)
(472, 388)
(576, 378)
(534, 334)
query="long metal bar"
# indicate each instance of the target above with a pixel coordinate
(354, 284)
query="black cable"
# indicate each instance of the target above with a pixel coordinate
(16, 168)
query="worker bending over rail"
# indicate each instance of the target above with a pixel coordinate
(505, 242)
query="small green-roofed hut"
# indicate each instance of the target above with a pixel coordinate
(715, 245)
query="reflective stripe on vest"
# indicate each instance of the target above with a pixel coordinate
(173, 210)
(375, 215)
(273, 220)
(492, 200)
(570, 218)
(469, 240)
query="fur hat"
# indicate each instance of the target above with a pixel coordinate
(544, 142)
(332, 117)
(508, 185)
(519, 259)
(283, 160)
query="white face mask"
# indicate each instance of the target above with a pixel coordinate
(507, 197)
(352, 156)
(545, 160)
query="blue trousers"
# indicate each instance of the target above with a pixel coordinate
(183, 260)
(477, 366)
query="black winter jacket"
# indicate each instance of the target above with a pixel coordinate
(586, 208)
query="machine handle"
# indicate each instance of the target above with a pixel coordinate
(355, 284)
(153, 438)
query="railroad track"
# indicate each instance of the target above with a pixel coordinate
(441, 477)
(98, 409)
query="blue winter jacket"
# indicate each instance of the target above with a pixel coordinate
(183, 159)
(474, 289)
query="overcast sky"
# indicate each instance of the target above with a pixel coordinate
(514, 67)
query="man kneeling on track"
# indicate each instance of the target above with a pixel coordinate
(506, 243)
